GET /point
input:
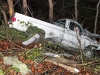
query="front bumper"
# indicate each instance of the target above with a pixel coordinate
(98, 48)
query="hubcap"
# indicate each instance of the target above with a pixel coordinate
(88, 54)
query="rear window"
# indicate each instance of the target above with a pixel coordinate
(61, 23)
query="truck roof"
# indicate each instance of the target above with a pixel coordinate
(66, 19)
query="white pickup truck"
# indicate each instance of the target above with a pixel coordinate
(67, 32)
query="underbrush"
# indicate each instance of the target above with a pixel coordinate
(35, 53)
(12, 34)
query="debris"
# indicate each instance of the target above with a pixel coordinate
(57, 55)
(51, 54)
(13, 60)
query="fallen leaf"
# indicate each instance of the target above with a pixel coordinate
(87, 73)
(32, 69)
(21, 57)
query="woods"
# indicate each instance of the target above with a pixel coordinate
(86, 12)
(25, 7)
(53, 10)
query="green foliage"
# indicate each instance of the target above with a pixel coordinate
(2, 31)
(54, 46)
(1, 54)
(16, 35)
(94, 63)
(32, 30)
(97, 69)
(15, 68)
(33, 53)
(12, 34)
(1, 72)
(23, 23)
(19, 36)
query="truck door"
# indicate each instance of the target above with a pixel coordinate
(72, 35)
(59, 34)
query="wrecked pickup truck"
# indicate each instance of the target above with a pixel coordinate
(67, 32)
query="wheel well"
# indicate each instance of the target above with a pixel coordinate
(92, 46)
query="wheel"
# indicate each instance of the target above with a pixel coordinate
(88, 52)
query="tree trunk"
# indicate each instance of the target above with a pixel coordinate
(95, 27)
(50, 11)
(25, 12)
(11, 7)
(5, 17)
(76, 11)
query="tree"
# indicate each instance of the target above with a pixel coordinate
(5, 17)
(95, 27)
(24, 2)
(76, 11)
(50, 11)
(4, 9)
(11, 7)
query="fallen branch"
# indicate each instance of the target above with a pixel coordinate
(17, 45)
(89, 63)
(13, 42)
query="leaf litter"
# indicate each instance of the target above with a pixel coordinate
(42, 68)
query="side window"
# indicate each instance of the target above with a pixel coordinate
(61, 23)
(75, 27)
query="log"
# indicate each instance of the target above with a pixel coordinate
(64, 63)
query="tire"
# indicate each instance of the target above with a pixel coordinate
(88, 52)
